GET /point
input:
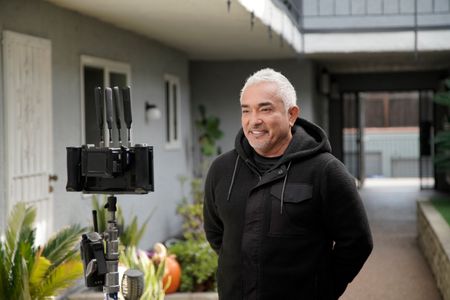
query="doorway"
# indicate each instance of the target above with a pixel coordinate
(388, 135)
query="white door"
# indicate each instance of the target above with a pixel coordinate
(28, 125)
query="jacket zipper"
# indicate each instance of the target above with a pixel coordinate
(253, 168)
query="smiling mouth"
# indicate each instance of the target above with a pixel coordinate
(257, 133)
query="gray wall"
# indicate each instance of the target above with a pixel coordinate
(217, 85)
(73, 35)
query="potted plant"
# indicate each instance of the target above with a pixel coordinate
(34, 272)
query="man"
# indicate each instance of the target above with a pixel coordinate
(283, 213)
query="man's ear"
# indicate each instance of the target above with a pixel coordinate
(294, 113)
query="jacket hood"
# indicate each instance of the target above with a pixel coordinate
(308, 139)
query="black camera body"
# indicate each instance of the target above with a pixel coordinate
(120, 170)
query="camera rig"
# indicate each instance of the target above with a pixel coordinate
(105, 169)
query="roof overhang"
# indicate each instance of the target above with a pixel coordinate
(203, 29)
(250, 30)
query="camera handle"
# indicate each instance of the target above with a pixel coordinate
(111, 236)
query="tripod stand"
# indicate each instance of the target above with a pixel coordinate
(111, 287)
(101, 268)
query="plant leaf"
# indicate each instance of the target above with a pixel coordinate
(442, 98)
(61, 277)
(40, 267)
(20, 220)
(25, 285)
(141, 231)
(442, 136)
(4, 276)
(61, 246)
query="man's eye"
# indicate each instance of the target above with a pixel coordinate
(266, 109)
(245, 111)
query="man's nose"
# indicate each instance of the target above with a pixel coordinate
(255, 119)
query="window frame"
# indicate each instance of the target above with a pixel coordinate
(172, 118)
(108, 66)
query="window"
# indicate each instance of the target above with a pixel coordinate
(172, 111)
(105, 73)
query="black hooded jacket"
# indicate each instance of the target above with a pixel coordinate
(298, 231)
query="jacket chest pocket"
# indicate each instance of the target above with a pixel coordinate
(295, 214)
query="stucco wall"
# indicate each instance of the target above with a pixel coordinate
(217, 85)
(73, 35)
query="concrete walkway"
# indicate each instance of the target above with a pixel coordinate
(396, 269)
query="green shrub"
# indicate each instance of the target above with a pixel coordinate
(198, 261)
(198, 265)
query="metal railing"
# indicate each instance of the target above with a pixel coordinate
(366, 15)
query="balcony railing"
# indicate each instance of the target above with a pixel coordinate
(367, 15)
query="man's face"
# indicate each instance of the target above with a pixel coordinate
(265, 120)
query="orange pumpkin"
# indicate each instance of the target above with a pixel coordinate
(173, 271)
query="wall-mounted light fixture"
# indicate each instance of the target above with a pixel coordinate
(152, 112)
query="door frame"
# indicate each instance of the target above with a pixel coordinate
(8, 113)
(418, 80)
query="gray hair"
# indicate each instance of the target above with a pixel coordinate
(285, 89)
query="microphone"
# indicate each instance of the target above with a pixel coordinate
(132, 284)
